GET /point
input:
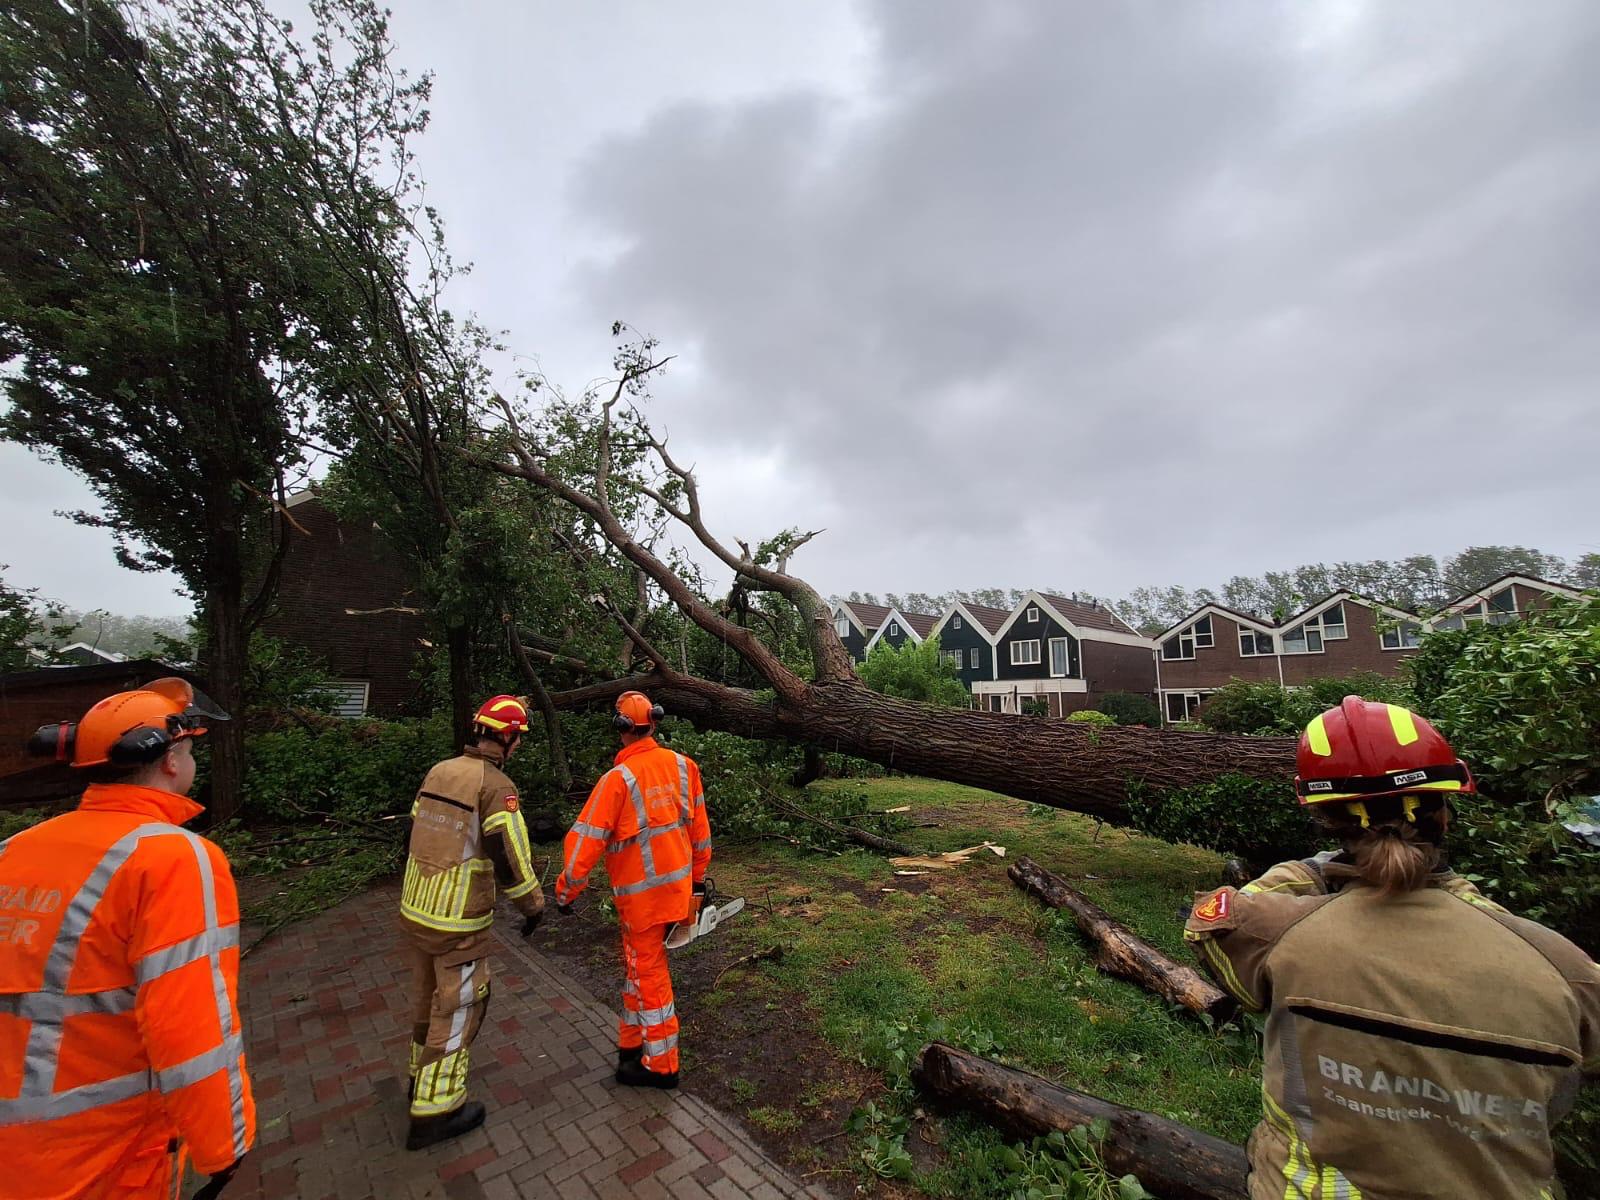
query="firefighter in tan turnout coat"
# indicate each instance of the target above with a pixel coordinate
(467, 836)
(1421, 1041)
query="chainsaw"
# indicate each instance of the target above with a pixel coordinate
(711, 914)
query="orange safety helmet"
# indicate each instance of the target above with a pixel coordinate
(130, 728)
(634, 711)
(502, 715)
(1364, 749)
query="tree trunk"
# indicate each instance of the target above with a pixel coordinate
(1171, 1160)
(1042, 760)
(1120, 952)
(811, 766)
(226, 663)
(458, 645)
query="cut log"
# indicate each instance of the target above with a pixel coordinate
(1171, 1160)
(1119, 951)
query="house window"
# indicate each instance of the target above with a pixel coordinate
(894, 629)
(1404, 636)
(349, 696)
(1183, 706)
(995, 703)
(842, 627)
(1063, 657)
(972, 658)
(1502, 607)
(955, 622)
(1202, 633)
(1253, 644)
(1033, 614)
(1454, 622)
(953, 657)
(1025, 654)
(1308, 636)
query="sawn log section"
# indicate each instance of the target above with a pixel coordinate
(1171, 1160)
(1120, 952)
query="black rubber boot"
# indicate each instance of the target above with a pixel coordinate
(628, 1054)
(634, 1073)
(430, 1131)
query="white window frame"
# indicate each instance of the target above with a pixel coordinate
(841, 626)
(1209, 635)
(1185, 640)
(1066, 657)
(1399, 633)
(1032, 615)
(974, 659)
(1018, 661)
(894, 629)
(952, 656)
(346, 688)
(955, 622)
(1320, 628)
(1255, 637)
(1191, 705)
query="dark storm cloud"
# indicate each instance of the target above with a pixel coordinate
(1094, 294)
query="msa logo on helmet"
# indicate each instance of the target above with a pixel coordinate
(1410, 777)
(1319, 785)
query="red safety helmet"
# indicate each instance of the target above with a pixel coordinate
(502, 715)
(1364, 749)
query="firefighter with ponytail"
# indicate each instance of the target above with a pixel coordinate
(468, 839)
(1421, 1041)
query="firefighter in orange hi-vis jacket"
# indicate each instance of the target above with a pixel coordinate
(647, 816)
(121, 1050)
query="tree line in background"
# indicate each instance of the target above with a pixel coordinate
(1420, 583)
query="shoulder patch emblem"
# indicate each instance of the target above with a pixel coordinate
(1215, 907)
(511, 802)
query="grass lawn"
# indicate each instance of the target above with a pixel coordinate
(874, 963)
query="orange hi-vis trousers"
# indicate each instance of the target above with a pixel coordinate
(648, 1016)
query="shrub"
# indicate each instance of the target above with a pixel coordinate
(1258, 820)
(1270, 708)
(358, 769)
(1130, 709)
(914, 672)
(1089, 716)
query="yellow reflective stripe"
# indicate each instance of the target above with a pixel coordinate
(1405, 724)
(448, 924)
(1224, 968)
(1255, 889)
(1317, 736)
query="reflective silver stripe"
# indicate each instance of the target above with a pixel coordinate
(219, 988)
(202, 1066)
(631, 1017)
(51, 1105)
(27, 1004)
(48, 1009)
(464, 1001)
(643, 816)
(684, 799)
(704, 844)
(572, 858)
(651, 881)
(654, 1016)
(662, 1046)
(203, 945)
(591, 831)
(644, 835)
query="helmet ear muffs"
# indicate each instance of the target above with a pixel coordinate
(621, 722)
(140, 746)
(54, 741)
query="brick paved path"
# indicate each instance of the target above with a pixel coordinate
(325, 1014)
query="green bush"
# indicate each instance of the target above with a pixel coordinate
(1089, 716)
(1258, 820)
(914, 672)
(358, 769)
(1270, 708)
(1130, 709)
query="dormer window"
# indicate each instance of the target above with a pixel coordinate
(1032, 615)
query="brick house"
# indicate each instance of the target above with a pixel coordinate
(1056, 656)
(345, 595)
(1339, 634)
(898, 628)
(968, 634)
(855, 621)
(1500, 601)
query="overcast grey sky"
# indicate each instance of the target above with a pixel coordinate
(1015, 294)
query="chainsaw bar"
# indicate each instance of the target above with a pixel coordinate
(710, 917)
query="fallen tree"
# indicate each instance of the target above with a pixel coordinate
(1052, 762)
(1121, 952)
(1172, 1160)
